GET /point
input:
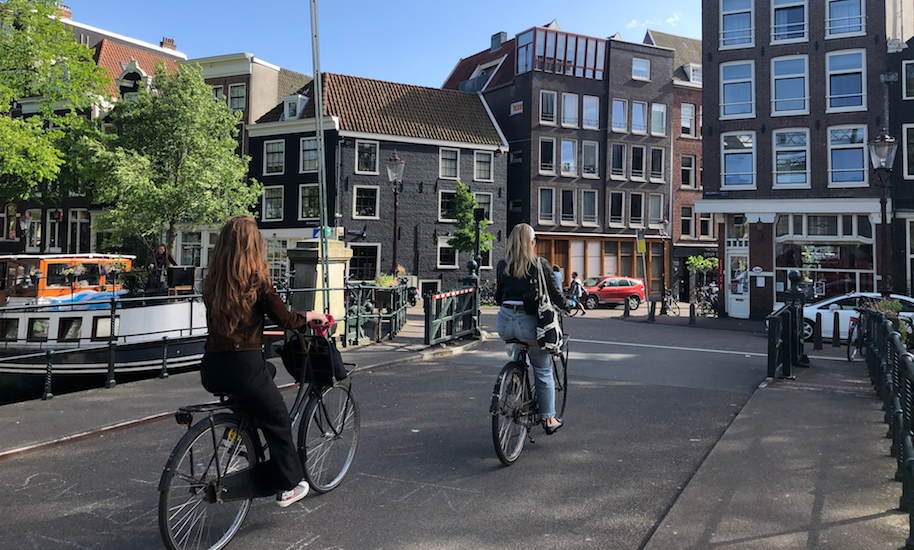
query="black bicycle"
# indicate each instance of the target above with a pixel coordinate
(672, 305)
(514, 408)
(219, 466)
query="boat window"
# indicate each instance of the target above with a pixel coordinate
(38, 328)
(55, 277)
(70, 329)
(101, 327)
(9, 329)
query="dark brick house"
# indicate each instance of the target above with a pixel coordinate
(444, 136)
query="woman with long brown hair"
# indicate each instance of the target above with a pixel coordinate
(516, 275)
(238, 293)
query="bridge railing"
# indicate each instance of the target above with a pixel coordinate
(451, 315)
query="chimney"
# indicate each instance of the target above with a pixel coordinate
(64, 12)
(498, 39)
(168, 43)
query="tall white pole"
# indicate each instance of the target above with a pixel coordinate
(321, 168)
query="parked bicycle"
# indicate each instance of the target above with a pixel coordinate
(672, 305)
(856, 344)
(705, 300)
(219, 466)
(514, 408)
(487, 293)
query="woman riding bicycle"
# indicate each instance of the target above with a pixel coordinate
(517, 276)
(237, 293)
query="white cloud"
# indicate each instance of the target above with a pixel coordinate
(672, 20)
(632, 24)
(645, 23)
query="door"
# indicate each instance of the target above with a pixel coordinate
(738, 289)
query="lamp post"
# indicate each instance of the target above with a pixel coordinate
(882, 154)
(395, 176)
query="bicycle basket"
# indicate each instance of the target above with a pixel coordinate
(313, 359)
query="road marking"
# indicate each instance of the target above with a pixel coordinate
(674, 348)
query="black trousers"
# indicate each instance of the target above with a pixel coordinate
(248, 376)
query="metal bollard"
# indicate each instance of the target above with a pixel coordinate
(626, 311)
(817, 331)
(112, 344)
(651, 311)
(47, 378)
(164, 373)
(835, 333)
(692, 318)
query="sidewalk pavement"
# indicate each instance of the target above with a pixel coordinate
(804, 465)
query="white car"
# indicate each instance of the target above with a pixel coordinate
(845, 305)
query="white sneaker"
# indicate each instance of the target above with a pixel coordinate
(300, 491)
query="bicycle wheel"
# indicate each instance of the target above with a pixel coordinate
(329, 435)
(186, 519)
(511, 415)
(560, 374)
(672, 307)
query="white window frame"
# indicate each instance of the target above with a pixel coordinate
(486, 257)
(662, 177)
(631, 218)
(282, 164)
(774, 80)
(491, 204)
(590, 124)
(775, 149)
(753, 152)
(624, 156)
(609, 207)
(590, 219)
(441, 175)
(544, 170)
(442, 243)
(652, 221)
(692, 183)
(298, 212)
(78, 224)
(643, 170)
(832, 23)
(644, 130)
(904, 73)
(623, 129)
(701, 220)
(864, 146)
(724, 83)
(829, 73)
(690, 218)
(635, 61)
(491, 157)
(573, 121)
(693, 121)
(574, 207)
(908, 168)
(441, 193)
(545, 220)
(750, 28)
(661, 109)
(596, 146)
(555, 108)
(785, 5)
(574, 158)
(377, 157)
(263, 203)
(355, 201)
(301, 154)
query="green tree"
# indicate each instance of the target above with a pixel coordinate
(172, 160)
(702, 265)
(464, 239)
(43, 66)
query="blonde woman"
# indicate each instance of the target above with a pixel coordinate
(515, 276)
(238, 293)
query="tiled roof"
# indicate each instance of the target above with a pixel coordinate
(112, 55)
(289, 83)
(379, 107)
(465, 67)
(688, 50)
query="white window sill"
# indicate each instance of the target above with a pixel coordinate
(619, 130)
(547, 123)
(791, 186)
(590, 224)
(542, 173)
(266, 175)
(308, 219)
(569, 174)
(366, 217)
(689, 136)
(300, 171)
(617, 225)
(484, 181)
(591, 176)
(445, 220)
(855, 109)
(449, 178)
(658, 135)
(367, 173)
(638, 133)
(641, 79)
(449, 267)
(638, 179)
(618, 178)
(575, 126)
(545, 222)
(568, 224)
(737, 117)
(738, 187)
(655, 180)
(590, 128)
(842, 35)
(271, 220)
(750, 44)
(848, 185)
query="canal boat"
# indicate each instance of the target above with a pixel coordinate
(65, 314)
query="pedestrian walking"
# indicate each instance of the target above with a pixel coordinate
(576, 291)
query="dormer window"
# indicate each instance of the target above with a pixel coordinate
(294, 104)
(693, 71)
(292, 111)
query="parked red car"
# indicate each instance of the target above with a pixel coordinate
(612, 291)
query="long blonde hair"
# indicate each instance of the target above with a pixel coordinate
(520, 254)
(237, 271)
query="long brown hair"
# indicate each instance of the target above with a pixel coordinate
(520, 254)
(237, 271)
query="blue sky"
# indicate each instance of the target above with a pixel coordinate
(410, 41)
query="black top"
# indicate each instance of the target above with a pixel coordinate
(511, 288)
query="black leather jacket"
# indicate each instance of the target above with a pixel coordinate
(511, 288)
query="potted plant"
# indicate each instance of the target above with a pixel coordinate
(111, 269)
(73, 272)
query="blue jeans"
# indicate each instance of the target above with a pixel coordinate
(520, 326)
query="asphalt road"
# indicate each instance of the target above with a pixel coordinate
(646, 405)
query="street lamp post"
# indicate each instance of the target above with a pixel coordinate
(395, 176)
(882, 154)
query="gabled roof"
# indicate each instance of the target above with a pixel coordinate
(467, 66)
(688, 50)
(115, 55)
(388, 108)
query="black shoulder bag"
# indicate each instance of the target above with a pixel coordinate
(316, 354)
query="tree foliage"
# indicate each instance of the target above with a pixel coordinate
(464, 239)
(702, 265)
(172, 159)
(42, 64)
